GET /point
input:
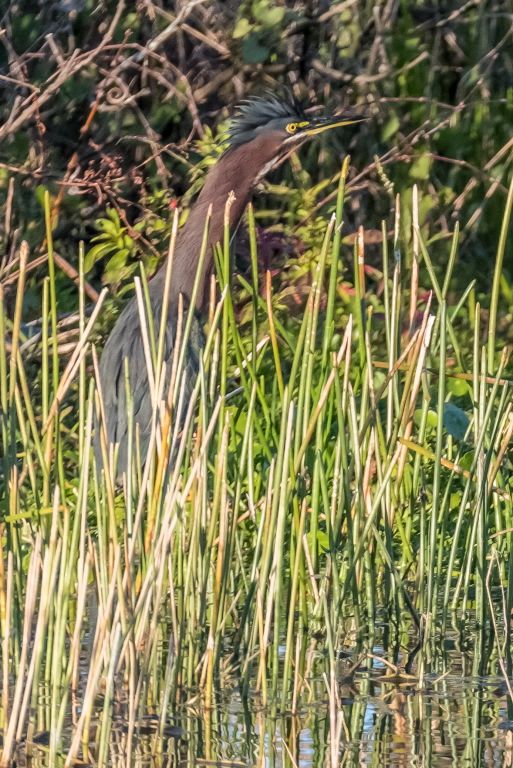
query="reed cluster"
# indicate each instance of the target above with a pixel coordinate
(352, 466)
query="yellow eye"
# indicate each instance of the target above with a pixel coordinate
(291, 127)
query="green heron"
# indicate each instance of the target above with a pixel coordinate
(263, 132)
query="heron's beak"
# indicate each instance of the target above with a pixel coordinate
(320, 124)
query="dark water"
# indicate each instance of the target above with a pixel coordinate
(389, 702)
(377, 718)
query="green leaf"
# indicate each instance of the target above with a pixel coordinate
(253, 52)
(467, 460)
(322, 540)
(270, 17)
(113, 216)
(457, 387)
(118, 274)
(105, 225)
(421, 168)
(242, 28)
(118, 260)
(96, 253)
(390, 128)
(455, 500)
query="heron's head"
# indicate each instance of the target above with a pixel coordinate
(275, 125)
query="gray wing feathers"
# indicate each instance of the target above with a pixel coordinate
(125, 341)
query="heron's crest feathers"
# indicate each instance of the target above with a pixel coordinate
(257, 112)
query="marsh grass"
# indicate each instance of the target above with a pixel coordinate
(318, 479)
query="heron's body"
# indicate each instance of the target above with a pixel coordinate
(260, 138)
(125, 341)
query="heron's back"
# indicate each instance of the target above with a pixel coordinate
(125, 342)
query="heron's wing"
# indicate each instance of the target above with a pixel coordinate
(125, 342)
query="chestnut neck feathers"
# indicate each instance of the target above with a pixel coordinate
(236, 171)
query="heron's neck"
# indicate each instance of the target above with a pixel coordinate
(224, 178)
(235, 172)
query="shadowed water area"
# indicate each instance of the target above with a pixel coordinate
(452, 709)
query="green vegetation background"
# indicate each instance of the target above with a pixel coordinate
(322, 503)
(117, 107)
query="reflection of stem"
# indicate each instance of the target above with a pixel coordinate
(494, 557)
(508, 756)
(400, 728)
(289, 753)
(335, 720)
